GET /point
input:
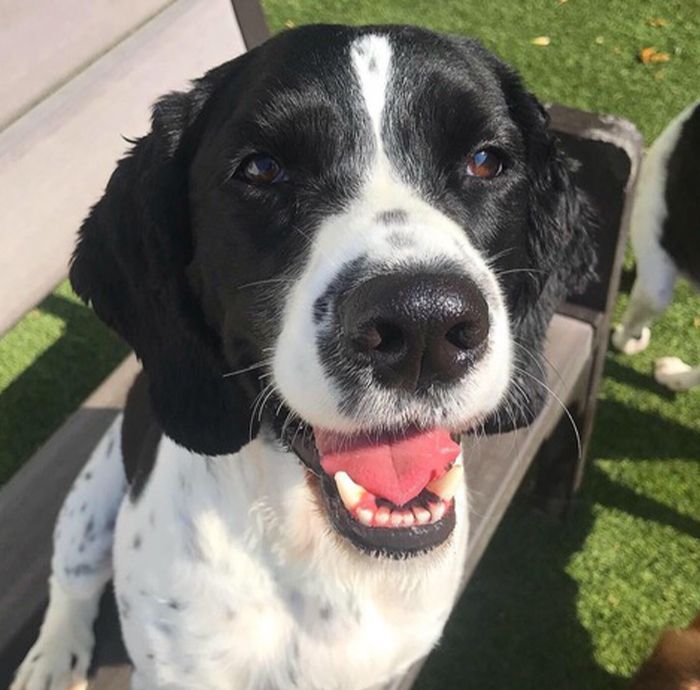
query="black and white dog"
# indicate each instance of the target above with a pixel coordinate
(665, 239)
(333, 255)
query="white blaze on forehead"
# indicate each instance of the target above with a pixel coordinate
(371, 60)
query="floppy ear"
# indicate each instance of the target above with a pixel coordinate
(560, 245)
(130, 264)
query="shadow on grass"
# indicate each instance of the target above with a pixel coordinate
(38, 401)
(516, 626)
(639, 380)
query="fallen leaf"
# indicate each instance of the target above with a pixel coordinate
(651, 55)
(658, 22)
(561, 2)
(600, 40)
(696, 322)
(541, 41)
(289, 24)
(613, 600)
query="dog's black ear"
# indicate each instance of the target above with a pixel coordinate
(560, 244)
(561, 235)
(130, 264)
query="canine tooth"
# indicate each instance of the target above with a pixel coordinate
(422, 515)
(364, 515)
(437, 511)
(381, 517)
(408, 519)
(350, 493)
(446, 486)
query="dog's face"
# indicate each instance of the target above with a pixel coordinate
(355, 236)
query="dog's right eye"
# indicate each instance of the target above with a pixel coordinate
(262, 169)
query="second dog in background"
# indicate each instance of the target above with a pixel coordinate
(665, 239)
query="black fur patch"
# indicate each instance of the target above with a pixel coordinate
(681, 230)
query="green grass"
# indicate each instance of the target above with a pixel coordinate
(571, 606)
(49, 362)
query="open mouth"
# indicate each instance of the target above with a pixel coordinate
(391, 494)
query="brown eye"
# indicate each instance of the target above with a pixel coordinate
(485, 164)
(262, 169)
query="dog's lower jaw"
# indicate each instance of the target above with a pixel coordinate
(240, 550)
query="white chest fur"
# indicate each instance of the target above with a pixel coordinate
(228, 577)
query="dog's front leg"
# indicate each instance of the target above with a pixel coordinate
(81, 567)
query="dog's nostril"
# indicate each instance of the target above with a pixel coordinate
(466, 335)
(378, 337)
(391, 338)
(366, 339)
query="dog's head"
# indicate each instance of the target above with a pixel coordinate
(354, 237)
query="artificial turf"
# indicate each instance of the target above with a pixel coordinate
(572, 606)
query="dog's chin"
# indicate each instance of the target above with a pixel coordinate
(401, 513)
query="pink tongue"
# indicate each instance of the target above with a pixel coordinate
(397, 469)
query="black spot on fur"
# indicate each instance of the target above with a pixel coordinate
(165, 627)
(320, 309)
(89, 528)
(73, 661)
(682, 200)
(87, 476)
(83, 507)
(80, 570)
(326, 612)
(394, 216)
(400, 240)
(136, 543)
(175, 605)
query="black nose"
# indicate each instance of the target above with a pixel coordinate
(415, 329)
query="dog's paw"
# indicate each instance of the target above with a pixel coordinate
(675, 374)
(55, 663)
(630, 346)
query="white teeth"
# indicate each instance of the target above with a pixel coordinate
(422, 515)
(365, 516)
(446, 486)
(408, 519)
(396, 518)
(437, 511)
(350, 493)
(381, 517)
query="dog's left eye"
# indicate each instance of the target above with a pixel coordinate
(485, 164)
(262, 169)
